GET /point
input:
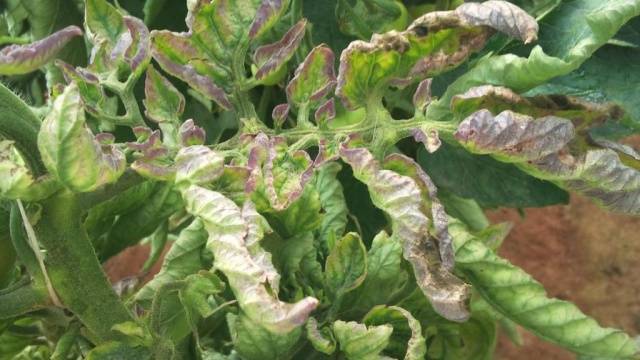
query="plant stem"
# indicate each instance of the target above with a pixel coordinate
(73, 267)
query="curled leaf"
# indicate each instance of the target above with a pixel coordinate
(230, 237)
(502, 16)
(23, 59)
(16, 180)
(163, 102)
(429, 138)
(515, 136)
(406, 340)
(358, 341)
(321, 339)
(197, 165)
(152, 157)
(433, 43)
(270, 58)
(422, 96)
(190, 134)
(314, 79)
(279, 114)
(93, 96)
(401, 197)
(177, 56)
(70, 151)
(325, 113)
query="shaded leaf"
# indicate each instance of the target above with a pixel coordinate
(366, 17)
(321, 339)
(333, 203)
(253, 342)
(346, 266)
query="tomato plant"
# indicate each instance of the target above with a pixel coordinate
(317, 170)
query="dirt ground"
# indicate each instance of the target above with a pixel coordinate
(579, 252)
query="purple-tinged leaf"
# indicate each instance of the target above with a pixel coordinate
(279, 114)
(152, 160)
(325, 113)
(88, 85)
(138, 53)
(175, 54)
(163, 102)
(23, 59)
(514, 137)
(191, 134)
(197, 165)
(434, 43)
(428, 137)
(285, 173)
(422, 96)
(270, 58)
(70, 151)
(258, 155)
(267, 15)
(314, 79)
(233, 234)
(404, 199)
(502, 16)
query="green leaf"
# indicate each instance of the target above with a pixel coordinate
(569, 36)
(253, 342)
(358, 341)
(366, 17)
(234, 234)
(103, 22)
(118, 350)
(321, 339)
(15, 177)
(384, 271)
(488, 181)
(334, 221)
(516, 295)
(271, 59)
(23, 59)
(314, 79)
(434, 43)
(163, 102)
(403, 198)
(70, 151)
(346, 266)
(407, 340)
(303, 215)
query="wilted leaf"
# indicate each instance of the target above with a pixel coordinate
(358, 341)
(402, 199)
(23, 59)
(434, 43)
(247, 273)
(267, 16)
(514, 137)
(70, 151)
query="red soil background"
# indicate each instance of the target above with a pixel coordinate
(579, 252)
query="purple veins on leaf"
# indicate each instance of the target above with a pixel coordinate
(23, 59)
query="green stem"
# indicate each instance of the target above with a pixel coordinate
(128, 180)
(19, 124)
(74, 270)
